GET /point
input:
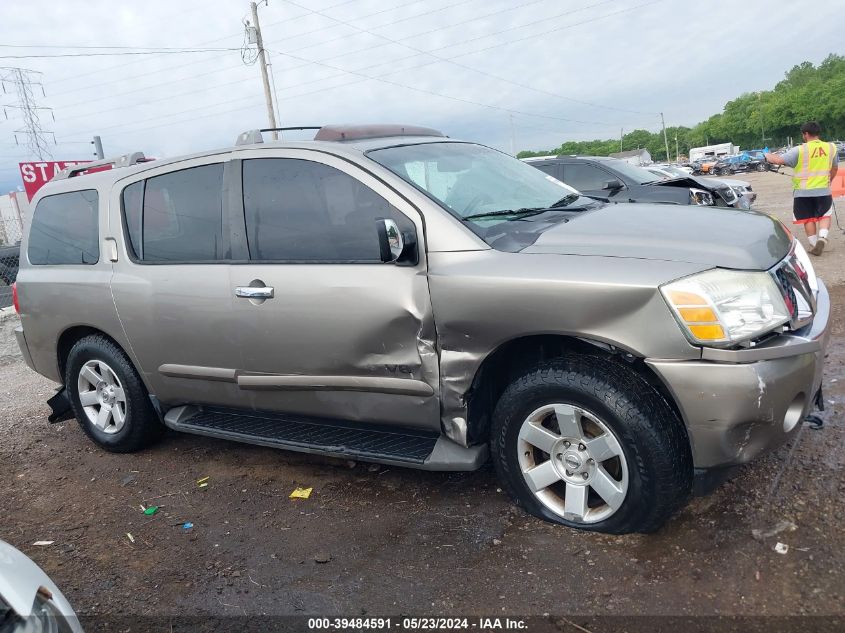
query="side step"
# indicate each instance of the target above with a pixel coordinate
(399, 446)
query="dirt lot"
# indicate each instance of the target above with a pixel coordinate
(378, 540)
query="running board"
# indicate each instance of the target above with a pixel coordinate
(386, 445)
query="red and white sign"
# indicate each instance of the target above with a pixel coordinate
(36, 175)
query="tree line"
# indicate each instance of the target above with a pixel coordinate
(752, 120)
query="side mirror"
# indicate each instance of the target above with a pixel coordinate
(612, 184)
(396, 246)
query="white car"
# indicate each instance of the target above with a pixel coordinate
(740, 187)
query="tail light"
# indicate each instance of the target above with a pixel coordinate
(15, 297)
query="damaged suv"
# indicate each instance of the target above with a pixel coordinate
(386, 293)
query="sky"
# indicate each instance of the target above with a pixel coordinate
(513, 74)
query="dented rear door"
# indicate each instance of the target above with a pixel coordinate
(325, 328)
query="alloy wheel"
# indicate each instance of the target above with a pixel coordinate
(573, 463)
(102, 397)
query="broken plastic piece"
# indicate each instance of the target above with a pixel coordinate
(43, 543)
(151, 510)
(187, 525)
(130, 537)
(301, 493)
(781, 548)
(202, 481)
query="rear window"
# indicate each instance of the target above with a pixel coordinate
(65, 229)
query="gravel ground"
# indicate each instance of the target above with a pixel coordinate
(379, 540)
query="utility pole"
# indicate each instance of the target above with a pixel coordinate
(665, 139)
(677, 153)
(98, 147)
(621, 134)
(268, 96)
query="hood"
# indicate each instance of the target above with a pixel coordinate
(690, 181)
(711, 236)
(731, 182)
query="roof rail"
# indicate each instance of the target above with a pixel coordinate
(343, 132)
(126, 160)
(251, 137)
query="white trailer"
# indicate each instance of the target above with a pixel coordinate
(713, 151)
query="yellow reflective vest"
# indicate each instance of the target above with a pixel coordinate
(815, 160)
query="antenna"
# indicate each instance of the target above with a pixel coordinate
(22, 83)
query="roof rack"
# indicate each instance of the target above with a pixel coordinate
(251, 137)
(344, 132)
(126, 160)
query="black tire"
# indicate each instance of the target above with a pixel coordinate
(762, 167)
(652, 438)
(142, 426)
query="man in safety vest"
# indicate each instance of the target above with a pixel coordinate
(815, 164)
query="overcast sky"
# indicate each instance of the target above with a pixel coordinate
(529, 72)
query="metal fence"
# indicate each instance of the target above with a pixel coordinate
(11, 232)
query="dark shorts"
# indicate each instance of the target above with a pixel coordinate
(811, 209)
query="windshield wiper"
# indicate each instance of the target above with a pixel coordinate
(524, 212)
(566, 200)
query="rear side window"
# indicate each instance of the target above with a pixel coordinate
(177, 217)
(65, 229)
(299, 210)
(584, 177)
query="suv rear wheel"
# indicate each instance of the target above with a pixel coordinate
(585, 442)
(108, 397)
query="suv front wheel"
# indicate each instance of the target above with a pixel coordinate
(108, 397)
(586, 442)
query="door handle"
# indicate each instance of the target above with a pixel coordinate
(253, 292)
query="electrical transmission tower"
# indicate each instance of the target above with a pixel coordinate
(19, 84)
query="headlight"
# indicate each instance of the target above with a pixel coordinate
(699, 196)
(724, 307)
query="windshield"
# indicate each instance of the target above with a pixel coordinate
(639, 175)
(478, 184)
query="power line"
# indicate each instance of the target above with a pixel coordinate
(219, 39)
(365, 77)
(121, 53)
(476, 70)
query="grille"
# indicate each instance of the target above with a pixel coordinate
(794, 283)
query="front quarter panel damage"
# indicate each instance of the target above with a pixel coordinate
(482, 300)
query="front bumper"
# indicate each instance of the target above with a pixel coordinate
(739, 404)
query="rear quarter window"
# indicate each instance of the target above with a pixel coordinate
(65, 229)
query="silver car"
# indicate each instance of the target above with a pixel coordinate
(29, 601)
(386, 293)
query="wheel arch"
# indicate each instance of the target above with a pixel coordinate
(70, 336)
(515, 356)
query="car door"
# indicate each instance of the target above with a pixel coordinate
(334, 332)
(171, 281)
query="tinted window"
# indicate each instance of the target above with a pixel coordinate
(585, 177)
(133, 201)
(298, 210)
(181, 218)
(65, 229)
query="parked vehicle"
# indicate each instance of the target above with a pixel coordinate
(389, 294)
(29, 600)
(681, 170)
(704, 166)
(9, 262)
(740, 187)
(614, 180)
